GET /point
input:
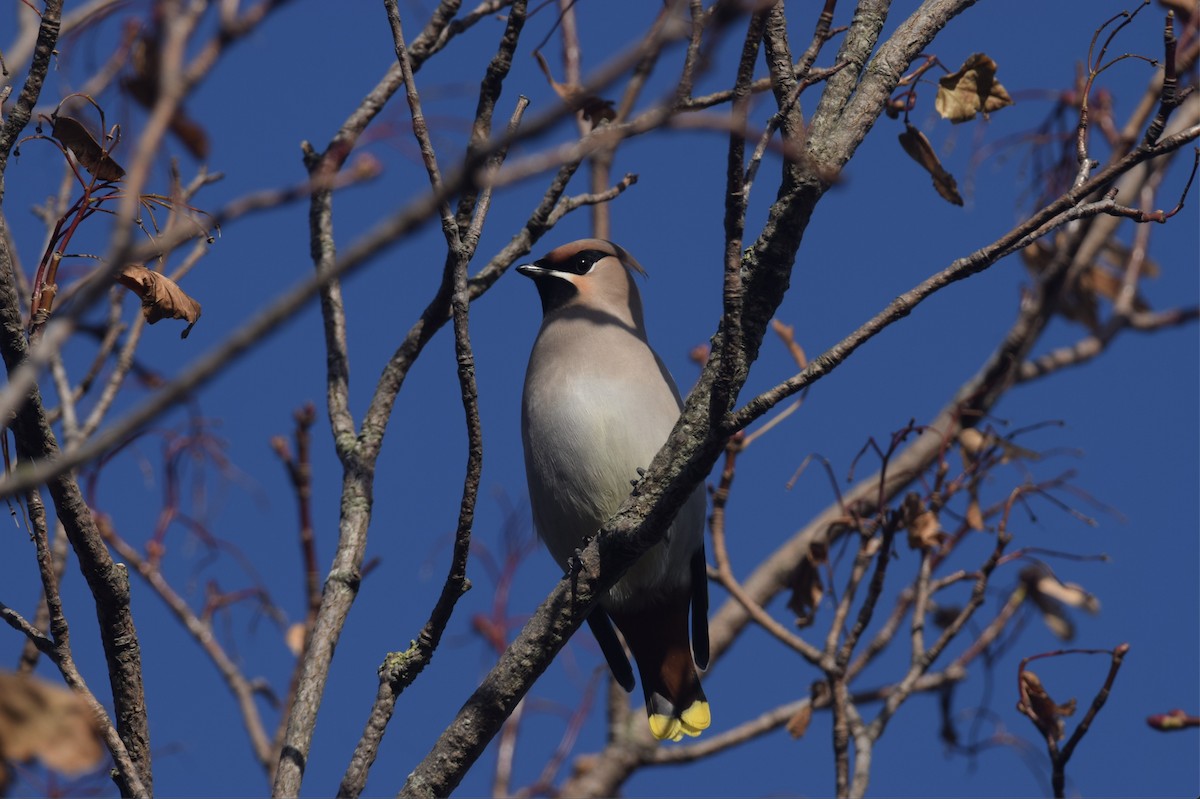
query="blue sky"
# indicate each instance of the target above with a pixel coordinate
(1129, 427)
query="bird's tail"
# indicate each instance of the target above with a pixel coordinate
(657, 636)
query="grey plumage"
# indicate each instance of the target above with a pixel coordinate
(598, 404)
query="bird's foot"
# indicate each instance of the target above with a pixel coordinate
(574, 569)
(640, 474)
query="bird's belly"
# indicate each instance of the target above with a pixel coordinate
(587, 469)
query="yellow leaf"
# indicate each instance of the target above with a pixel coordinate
(161, 297)
(920, 150)
(970, 91)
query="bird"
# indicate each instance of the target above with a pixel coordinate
(598, 404)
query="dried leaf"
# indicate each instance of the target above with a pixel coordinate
(806, 585)
(1052, 597)
(1037, 257)
(924, 529)
(925, 532)
(1013, 452)
(75, 136)
(593, 108)
(1115, 255)
(1036, 703)
(920, 150)
(191, 134)
(294, 638)
(970, 91)
(945, 615)
(1098, 282)
(47, 722)
(797, 725)
(161, 297)
(1069, 594)
(787, 334)
(974, 513)
(143, 86)
(1055, 618)
(972, 441)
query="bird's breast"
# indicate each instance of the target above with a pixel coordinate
(586, 436)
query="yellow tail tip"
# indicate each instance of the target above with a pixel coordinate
(696, 718)
(691, 723)
(665, 727)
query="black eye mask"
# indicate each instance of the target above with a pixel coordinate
(578, 264)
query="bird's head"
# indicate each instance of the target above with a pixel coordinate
(591, 275)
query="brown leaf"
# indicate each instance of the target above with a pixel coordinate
(945, 615)
(191, 134)
(143, 86)
(1101, 282)
(925, 532)
(593, 108)
(47, 722)
(75, 136)
(1036, 703)
(806, 586)
(974, 513)
(787, 334)
(1037, 257)
(797, 725)
(1098, 282)
(1115, 256)
(970, 91)
(924, 529)
(920, 150)
(161, 297)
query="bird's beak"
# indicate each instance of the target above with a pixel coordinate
(531, 270)
(534, 272)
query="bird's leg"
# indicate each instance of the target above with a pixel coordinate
(640, 474)
(574, 569)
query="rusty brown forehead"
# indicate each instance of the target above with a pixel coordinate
(567, 251)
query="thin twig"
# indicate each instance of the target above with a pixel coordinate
(724, 574)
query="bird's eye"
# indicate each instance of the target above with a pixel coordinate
(581, 263)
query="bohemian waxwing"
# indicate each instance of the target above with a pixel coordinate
(598, 405)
